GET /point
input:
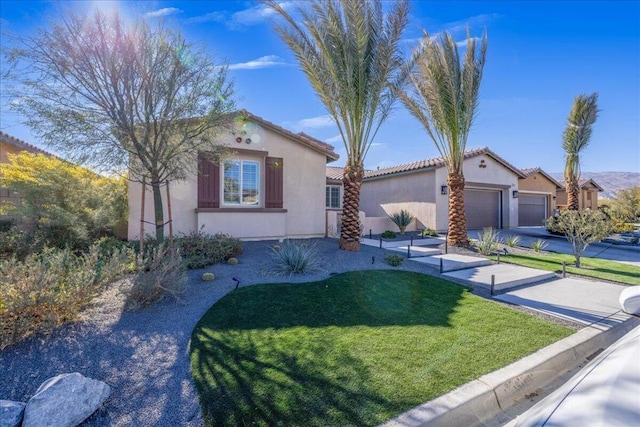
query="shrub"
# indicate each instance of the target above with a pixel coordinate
(295, 258)
(394, 260)
(208, 277)
(512, 241)
(581, 228)
(539, 245)
(48, 289)
(5, 225)
(402, 219)
(429, 232)
(160, 276)
(232, 261)
(388, 234)
(487, 242)
(199, 249)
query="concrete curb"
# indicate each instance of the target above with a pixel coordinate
(479, 401)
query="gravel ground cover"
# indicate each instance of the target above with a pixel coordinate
(143, 355)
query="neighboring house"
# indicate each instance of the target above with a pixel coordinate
(272, 187)
(588, 199)
(12, 145)
(537, 197)
(421, 188)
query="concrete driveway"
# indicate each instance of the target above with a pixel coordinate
(528, 235)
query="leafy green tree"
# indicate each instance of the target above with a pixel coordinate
(349, 51)
(627, 204)
(577, 134)
(581, 227)
(443, 95)
(121, 95)
(65, 204)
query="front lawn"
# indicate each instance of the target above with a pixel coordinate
(355, 349)
(591, 267)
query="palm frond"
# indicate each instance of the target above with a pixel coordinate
(577, 134)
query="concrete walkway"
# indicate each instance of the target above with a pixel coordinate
(498, 397)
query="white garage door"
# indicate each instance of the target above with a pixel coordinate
(482, 208)
(532, 210)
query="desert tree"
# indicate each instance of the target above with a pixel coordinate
(575, 138)
(349, 51)
(442, 93)
(120, 95)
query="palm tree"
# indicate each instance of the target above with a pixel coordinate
(442, 94)
(583, 115)
(349, 51)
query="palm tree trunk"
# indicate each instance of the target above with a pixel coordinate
(457, 235)
(573, 194)
(350, 234)
(158, 210)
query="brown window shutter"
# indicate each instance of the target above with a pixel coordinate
(274, 168)
(208, 183)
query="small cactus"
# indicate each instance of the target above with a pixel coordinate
(276, 247)
(208, 277)
(232, 261)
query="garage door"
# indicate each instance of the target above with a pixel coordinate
(482, 208)
(532, 210)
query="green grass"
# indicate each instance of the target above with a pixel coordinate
(591, 267)
(355, 349)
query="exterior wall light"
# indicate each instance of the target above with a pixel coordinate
(515, 194)
(444, 189)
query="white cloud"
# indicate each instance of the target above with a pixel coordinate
(472, 22)
(463, 43)
(163, 12)
(255, 15)
(312, 123)
(208, 17)
(262, 62)
(334, 139)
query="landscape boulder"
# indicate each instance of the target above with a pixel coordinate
(11, 413)
(65, 400)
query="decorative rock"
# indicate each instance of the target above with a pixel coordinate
(208, 277)
(11, 413)
(65, 400)
(232, 261)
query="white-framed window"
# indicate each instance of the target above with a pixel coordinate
(241, 182)
(333, 197)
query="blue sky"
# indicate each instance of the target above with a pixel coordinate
(541, 55)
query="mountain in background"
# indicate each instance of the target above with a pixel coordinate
(611, 182)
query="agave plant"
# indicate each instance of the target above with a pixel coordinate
(402, 219)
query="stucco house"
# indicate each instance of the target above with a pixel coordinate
(588, 199)
(537, 197)
(12, 145)
(272, 187)
(491, 192)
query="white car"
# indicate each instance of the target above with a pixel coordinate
(606, 392)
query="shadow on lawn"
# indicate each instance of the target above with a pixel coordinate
(247, 378)
(373, 298)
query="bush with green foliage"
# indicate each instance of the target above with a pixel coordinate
(388, 234)
(294, 257)
(625, 207)
(160, 276)
(232, 261)
(200, 249)
(208, 277)
(62, 205)
(512, 240)
(427, 232)
(402, 219)
(488, 241)
(539, 245)
(47, 289)
(581, 228)
(394, 259)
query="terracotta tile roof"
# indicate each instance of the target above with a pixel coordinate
(583, 183)
(527, 172)
(300, 137)
(438, 162)
(334, 173)
(18, 143)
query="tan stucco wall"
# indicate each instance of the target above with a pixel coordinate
(304, 196)
(583, 203)
(413, 192)
(494, 175)
(539, 184)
